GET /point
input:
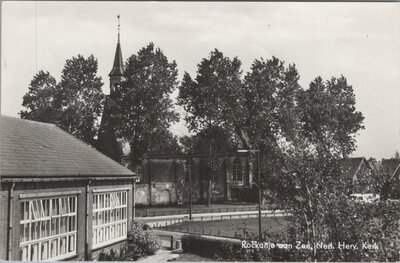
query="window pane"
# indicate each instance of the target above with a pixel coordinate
(71, 244)
(44, 252)
(63, 245)
(46, 207)
(54, 247)
(34, 252)
(24, 253)
(95, 201)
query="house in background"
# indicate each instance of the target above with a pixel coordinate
(60, 198)
(392, 168)
(358, 172)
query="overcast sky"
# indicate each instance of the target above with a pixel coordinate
(358, 40)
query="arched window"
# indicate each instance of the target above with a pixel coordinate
(237, 171)
(189, 169)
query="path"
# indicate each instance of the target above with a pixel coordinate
(161, 255)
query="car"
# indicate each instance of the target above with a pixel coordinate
(364, 198)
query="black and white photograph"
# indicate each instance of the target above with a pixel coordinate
(200, 131)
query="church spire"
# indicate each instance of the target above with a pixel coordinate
(118, 66)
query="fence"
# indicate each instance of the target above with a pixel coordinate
(172, 225)
(199, 230)
(148, 213)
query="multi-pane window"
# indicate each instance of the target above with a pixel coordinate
(109, 218)
(237, 171)
(48, 228)
(215, 175)
(189, 170)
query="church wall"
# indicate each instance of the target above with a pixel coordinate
(164, 181)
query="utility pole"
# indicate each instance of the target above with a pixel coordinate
(188, 166)
(259, 196)
(190, 190)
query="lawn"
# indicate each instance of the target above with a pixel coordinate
(229, 228)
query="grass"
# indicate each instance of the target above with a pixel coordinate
(229, 228)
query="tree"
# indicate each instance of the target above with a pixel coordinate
(218, 82)
(164, 142)
(74, 104)
(310, 184)
(222, 142)
(396, 155)
(41, 99)
(142, 106)
(82, 98)
(329, 116)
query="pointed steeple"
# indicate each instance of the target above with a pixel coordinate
(118, 66)
(107, 140)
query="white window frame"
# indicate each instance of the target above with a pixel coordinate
(109, 218)
(51, 227)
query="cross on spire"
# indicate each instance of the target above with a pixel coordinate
(119, 26)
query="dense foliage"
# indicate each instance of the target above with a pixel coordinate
(143, 107)
(140, 243)
(74, 104)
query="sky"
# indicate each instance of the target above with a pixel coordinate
(360, 41)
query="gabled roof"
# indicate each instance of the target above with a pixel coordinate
(390, 165)
(350, 166)
(118, 66)
(35, 149)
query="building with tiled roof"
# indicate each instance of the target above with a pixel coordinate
(392, 168)
(358, 172)
(61, 199)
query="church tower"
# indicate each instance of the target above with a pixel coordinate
(117, 72)
(107, 142)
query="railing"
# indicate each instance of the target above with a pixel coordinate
(149, 213)
(171, 225)
(199, 231)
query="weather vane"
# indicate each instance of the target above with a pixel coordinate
(119, 27)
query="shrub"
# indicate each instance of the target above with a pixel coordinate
(206, 247)
(140, 242)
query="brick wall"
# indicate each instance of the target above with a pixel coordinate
(3, 220)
